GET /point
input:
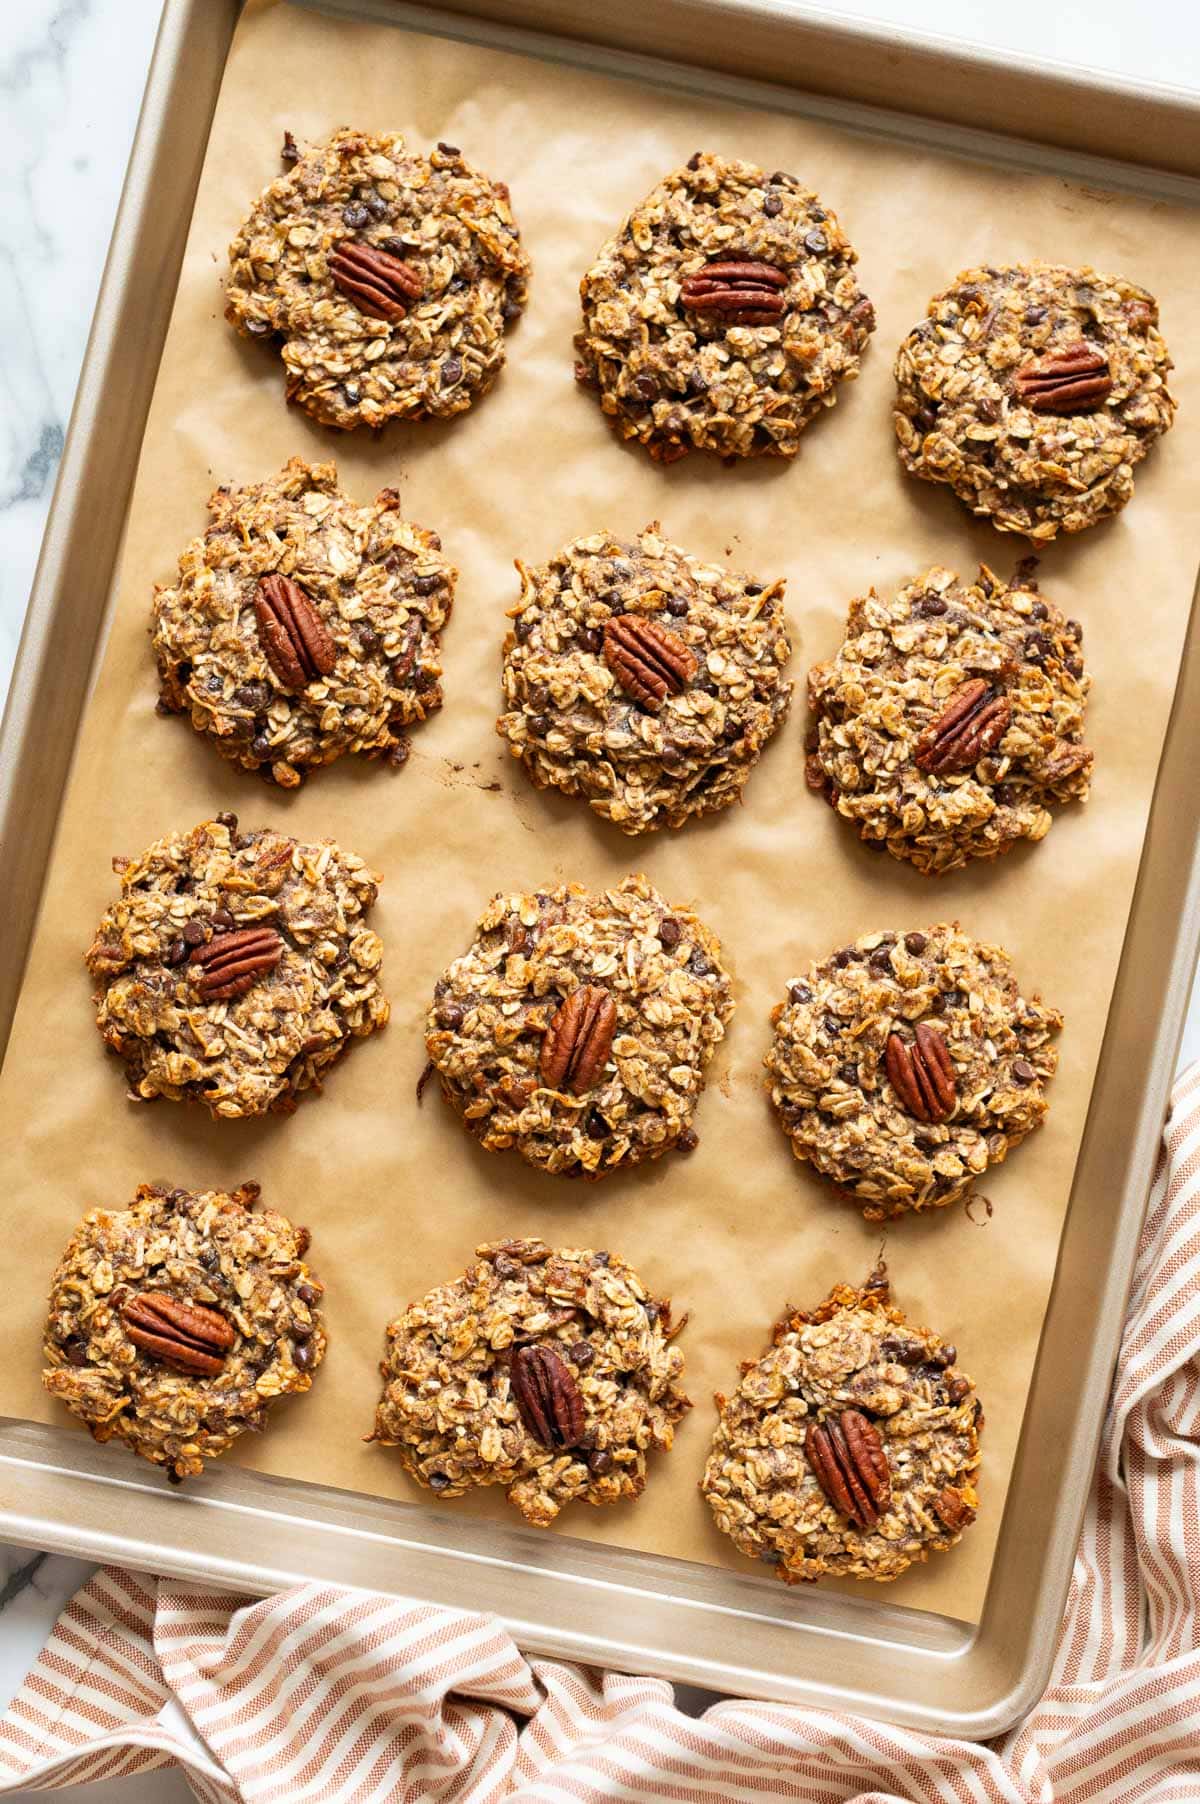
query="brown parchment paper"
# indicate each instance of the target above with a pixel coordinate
(395, 1194)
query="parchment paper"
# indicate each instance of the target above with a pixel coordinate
(396, 1195)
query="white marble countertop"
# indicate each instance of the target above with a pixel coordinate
(71, 77)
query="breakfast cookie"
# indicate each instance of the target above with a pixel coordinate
(951, 720)
(577, 1028)
(174, 1324)
(643, 679)
(236, 967)
(851, 1447)
(906, 1064)
(551, 1373)
(387, 279)
(302, 626)
(1033, 391)
(723, 314)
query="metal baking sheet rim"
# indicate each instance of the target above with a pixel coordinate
(625, 1610)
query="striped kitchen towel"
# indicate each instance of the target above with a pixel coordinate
(324, 1694)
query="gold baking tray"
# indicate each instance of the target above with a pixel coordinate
(727, 1631)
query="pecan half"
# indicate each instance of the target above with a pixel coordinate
(294, 637)
(922, 1075)
(547, 1397)
(1075, 380)
(974, 720)
(851, 1466)
(649, 661)
(189, 1337)
(232, 963)
(746, 294)
(377, 282)
(578, 1040)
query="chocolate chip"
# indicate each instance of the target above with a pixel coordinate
(988, 411)
(195, 933)
(366, 635)
(592, 639)
(677, 606)
(222, 920)
(957, 1389)
(800, 992)
(252, 695)
(848, 1073)
(354, 216)
(449, 150)
(582, 1353)
(539, 725)
(377, 206)
(881, 959)
(816, 242)
(699, 964)
(902, 1353)
(302, 1330)
(1022, 1071)
(438, 1481)
(1038, 611)
(289, 153)
(176, 952)
(603, 1257)
(1034, 316)
(1005, 795)
(842, 957)
(451, 1014)
(687, 1142)
(1037, 649)
(307, 1293)
(597, 1128)
(75, 1349)
(302, 1355)
(669, 931)
(754, 588)
(773, 205)
(646, 387)
(426, 585)
(260, 745)
(915, 943)
(600, 1461)
(694, 159)
(451, 372)
(930, 606)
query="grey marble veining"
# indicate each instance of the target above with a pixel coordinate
(71, 77)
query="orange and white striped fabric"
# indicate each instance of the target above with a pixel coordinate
(332, 1695)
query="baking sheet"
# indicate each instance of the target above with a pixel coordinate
(397, 1196)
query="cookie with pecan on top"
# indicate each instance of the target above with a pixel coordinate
(387, 279)
(302, 627)
(176, 1323)
(236, 967)
(851, 1448)
(905, 1064)
(578, 1026)
(1033, 391)
(950, 722)
(723, 315)
(552, 1373)
(643, 679)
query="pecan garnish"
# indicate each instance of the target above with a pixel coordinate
(232, 963)
(851, 1466)
(294, 637)
(190, 1337)
(974, 720)
(1075, 380)
(578, 1040)
(745, 294)
(547, 1397)
(377, 282)
(648, 660)
(953, 1509)
(922, 1075)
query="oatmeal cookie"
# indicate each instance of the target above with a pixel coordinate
(723, 314)
(851, 1447)
(387, 278)
(643, 679)
(577, 1028)
(552, 1373)
(1033, 391)
(951, 720)
(236, 967)
(303, 626)
(907, 1063)
(176, 1323)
